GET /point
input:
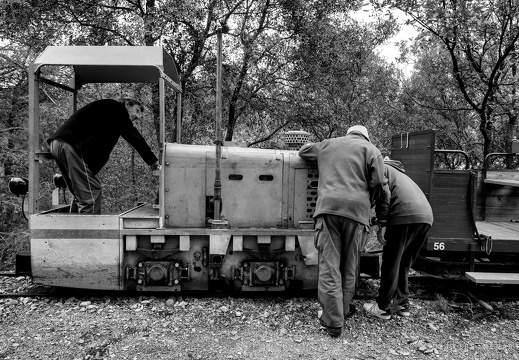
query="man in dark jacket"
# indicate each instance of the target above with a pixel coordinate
(351, 174)
(82, 146)
(405, 218)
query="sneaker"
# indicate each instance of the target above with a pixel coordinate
(352, 312)
(403, 310)
(373, 310)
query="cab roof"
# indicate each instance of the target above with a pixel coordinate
(112, 64)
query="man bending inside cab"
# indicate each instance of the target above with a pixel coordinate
(82, 146)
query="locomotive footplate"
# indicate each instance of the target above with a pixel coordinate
(158, 275)
(256, 275)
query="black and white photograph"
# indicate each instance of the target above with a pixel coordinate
(259, 179)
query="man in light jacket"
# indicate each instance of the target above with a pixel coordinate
(351, 176)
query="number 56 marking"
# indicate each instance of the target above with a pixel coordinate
(439, 246)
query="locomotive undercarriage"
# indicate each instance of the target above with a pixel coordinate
(272, 275)
(152, 264)
(158, 275)
(265, 267)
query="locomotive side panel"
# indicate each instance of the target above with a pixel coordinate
(260, 188)
(76, 251)
(252, 186)
(185, 185)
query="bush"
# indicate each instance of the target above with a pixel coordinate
(14, 231)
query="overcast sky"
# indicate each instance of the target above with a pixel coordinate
(390, 50)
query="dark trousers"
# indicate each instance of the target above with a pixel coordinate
(337, 240)
(81, 182)
(402, 247)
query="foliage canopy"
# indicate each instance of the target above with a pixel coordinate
(287, 65)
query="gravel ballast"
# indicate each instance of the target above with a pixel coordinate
(189, 327)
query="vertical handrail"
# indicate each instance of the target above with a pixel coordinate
(34, 130)
(179, 117)
(72, 96)
(218, 142)
(162, 120)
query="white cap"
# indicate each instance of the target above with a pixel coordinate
(359, 129)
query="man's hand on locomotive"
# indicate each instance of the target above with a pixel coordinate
(381, 230)
(154, 166)
(380, 235)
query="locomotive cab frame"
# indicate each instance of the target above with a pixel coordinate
(73, 250)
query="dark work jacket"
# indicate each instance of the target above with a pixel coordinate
(405, 203)
(94, 131)
(351, 176)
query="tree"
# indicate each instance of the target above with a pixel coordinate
(287, 64)
(263, 42)
(480, 39)
(343, 82)
(430, 99)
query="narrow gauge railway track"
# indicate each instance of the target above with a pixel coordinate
(8, 274)
(421, 287)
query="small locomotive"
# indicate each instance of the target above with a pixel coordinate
(258, 237)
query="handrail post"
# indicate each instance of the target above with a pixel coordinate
(217, 222)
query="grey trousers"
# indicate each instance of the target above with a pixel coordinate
(82, 183)
(337, 241)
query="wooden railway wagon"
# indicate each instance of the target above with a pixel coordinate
(476, 229)
(261, 239)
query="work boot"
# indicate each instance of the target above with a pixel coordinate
(332, 331)
(350, 313)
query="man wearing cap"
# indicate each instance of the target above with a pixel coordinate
(351, 176)
(405, 217)
(82, 146)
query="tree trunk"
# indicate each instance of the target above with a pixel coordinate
(485, 127)
(231, 122)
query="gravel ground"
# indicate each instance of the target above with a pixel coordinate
(213, 327)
